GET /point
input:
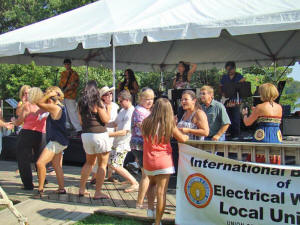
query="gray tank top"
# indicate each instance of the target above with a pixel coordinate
(188, 123)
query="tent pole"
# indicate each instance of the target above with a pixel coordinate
(161, 82)
(275, 70)
(86, 73)
(114, 68)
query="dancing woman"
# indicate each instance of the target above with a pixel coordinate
(56, 135)
(93, 116)
(32, 137)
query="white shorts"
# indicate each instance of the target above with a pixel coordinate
(55, 147)
(94, 143)
(169, 170)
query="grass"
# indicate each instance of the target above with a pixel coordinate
(96, 219)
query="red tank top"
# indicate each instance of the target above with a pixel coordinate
(157, 156)
(36, 121)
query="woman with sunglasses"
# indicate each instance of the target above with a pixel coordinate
(32, 137)
(23, 93)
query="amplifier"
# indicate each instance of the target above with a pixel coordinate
(174, 94)
(291, 126)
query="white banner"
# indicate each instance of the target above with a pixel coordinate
(216, 190)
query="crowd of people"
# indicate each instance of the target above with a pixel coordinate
(109, 134)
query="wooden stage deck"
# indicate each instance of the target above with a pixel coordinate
(119, 203)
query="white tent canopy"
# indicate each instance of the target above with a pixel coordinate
(149, 35)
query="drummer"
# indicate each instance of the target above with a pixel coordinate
(184, 75)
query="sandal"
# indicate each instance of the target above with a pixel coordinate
(39, 194)
(93, 181)
(61, 191)
(82, 195)
(112, 180)
(101, 197)
(132, 188)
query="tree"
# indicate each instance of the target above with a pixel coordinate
(18, 13)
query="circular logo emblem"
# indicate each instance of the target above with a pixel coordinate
(198, 190)
(259, 134)
(279, 135)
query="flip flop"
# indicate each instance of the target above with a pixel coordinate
(100, 197)
(85, 193)
(39, 194)
(61, 191)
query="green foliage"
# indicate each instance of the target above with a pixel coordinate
(18, 13)
(96, 219)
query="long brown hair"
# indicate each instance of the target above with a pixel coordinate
(160, 124)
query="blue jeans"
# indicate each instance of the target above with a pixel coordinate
(235, 118)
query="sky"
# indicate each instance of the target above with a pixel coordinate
(296, 72)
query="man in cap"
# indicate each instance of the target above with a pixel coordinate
(69, 82)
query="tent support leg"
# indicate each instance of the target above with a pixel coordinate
(275, 68)
(114, 68)
(292, 62)
(86, 73)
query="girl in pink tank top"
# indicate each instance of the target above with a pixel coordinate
(31, 139)
(33, 118)
(157, 130)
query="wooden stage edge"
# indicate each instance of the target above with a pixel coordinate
(65, 208)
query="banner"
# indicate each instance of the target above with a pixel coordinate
(216, 190)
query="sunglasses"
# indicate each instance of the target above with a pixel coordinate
(108, 94)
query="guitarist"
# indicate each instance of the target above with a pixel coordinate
(69, 82)
(233, 103)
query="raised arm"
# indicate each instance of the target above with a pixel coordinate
(191, 71)
(51, 108)
(22, 115)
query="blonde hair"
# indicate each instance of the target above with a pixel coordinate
(22, 90)
(207, 88)
(35, 94)
(160, 124)
(268, 92)
(60, 94)
(144, 93)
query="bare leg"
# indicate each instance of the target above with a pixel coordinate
(86, 170)
(44, 158)
(151, 192)
(102, 164)
(162, 182)
(109, 172)
(57, 165)
(124, 173)
(144, 183)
